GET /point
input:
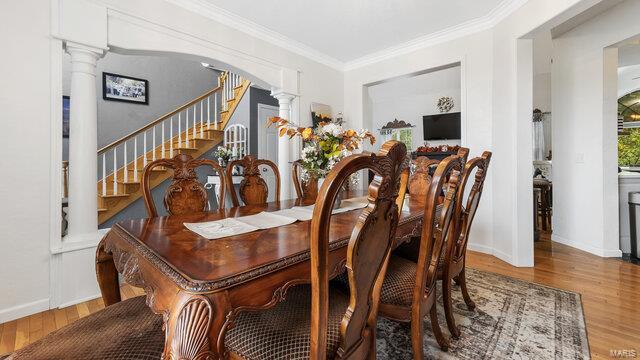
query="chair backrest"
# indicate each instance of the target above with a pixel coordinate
(436, 225)
(305, 190)
(185, 194)
(253, 189)
(367, 253)
(465, 211)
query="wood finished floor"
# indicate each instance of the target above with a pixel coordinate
(610, 291)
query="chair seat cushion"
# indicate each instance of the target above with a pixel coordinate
(283, 332)
(399, 281)
(127, 330)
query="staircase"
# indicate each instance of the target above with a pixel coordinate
(194, 128)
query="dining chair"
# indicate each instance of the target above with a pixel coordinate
(305, 189)
(452, 264)
(185, 194)
(409, 288)
(127, 330)
(423, 168)
(253, 188)
(319, 321)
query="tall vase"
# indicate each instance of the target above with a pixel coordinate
(310, 189)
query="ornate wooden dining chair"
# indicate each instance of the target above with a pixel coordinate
(319, 321)
(185, 194)
(423, 168)
(409, 288)
(305, 190)
(452, 264)
(253, 189)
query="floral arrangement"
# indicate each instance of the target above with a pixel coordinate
(324, 146)
(223, 154)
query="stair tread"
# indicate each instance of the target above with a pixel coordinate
(113, 195)
(129, 182)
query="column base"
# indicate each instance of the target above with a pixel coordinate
(80, 241)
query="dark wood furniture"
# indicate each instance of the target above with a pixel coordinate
(253, 189)
(452, 266)
(207, 284)
(282, 332)
(409, 288)
(306, 190)
(421, 177)
(185, 194)
(435, 155)
(544, 203)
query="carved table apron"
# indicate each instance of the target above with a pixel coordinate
(199, 286)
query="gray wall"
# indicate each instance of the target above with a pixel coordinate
(172, 82)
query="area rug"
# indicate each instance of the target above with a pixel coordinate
(513, 319)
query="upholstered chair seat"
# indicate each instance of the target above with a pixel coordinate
(283, 332)
(127, 330)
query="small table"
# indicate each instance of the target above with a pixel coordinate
(199, 286)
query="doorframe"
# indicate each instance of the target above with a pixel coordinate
(262, 129)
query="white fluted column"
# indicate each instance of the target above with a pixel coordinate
(83, 137)
(284, 144)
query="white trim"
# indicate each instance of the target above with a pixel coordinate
(23, 310)
(78, 301)
(239, 23)
(216, 13)
(80, 242)
(586, 247)
(492, 251)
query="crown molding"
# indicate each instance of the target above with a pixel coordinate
(497, 14)
(249, 27)
(207, 9)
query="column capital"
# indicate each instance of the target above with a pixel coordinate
(282, 97)
(77, 49)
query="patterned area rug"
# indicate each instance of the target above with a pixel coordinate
(513, 319)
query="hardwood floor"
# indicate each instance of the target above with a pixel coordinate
(610, 291)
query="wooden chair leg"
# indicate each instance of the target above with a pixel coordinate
(435, 327)
(417, 333)
(448, 307)
(462, 281)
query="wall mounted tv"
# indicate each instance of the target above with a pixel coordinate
(441, 126)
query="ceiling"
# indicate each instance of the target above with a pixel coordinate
(349, 30)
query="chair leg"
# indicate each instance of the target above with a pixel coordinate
(435, 327)
(417, 333)
(448, 308)
(462, 281)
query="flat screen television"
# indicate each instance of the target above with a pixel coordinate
(441, 126)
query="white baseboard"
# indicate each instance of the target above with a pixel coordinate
(78, 301)
(23, 310)
(491, 251)
(586, 247)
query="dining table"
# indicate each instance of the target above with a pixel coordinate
(199, 286)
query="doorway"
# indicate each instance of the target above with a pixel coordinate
(268, 144)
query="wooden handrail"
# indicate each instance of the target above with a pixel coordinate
(161, 118)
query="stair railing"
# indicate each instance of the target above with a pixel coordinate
(174, 130)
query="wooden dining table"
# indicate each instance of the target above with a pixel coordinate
(199, 286)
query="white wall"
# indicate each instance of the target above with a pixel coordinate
(411, 98)
(585, 212)
(24, 141)
(542, 51)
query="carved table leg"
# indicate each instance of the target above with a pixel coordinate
(192, 330)
(107, 275)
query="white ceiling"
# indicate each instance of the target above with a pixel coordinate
(347, 30)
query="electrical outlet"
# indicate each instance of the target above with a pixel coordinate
(580, 158)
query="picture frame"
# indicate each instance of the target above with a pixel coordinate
(116, 87)
(66, 108)
(320, 113)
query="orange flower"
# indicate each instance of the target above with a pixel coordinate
(306, 133)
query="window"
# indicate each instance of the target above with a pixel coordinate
(404, 136)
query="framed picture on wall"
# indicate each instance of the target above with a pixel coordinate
(320, 113)
(125, 88)
(66, 101)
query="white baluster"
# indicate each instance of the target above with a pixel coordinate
(144, 149)
(194, 125)
(186, 127)
(215, 111)
(162, 141)
(179, 130)
(202, 119)
(126, 168)
(104, 173)
(236, 138)
(135, 158)
(209, 113)
(115, 170)
(153, 145)
(171, 138)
